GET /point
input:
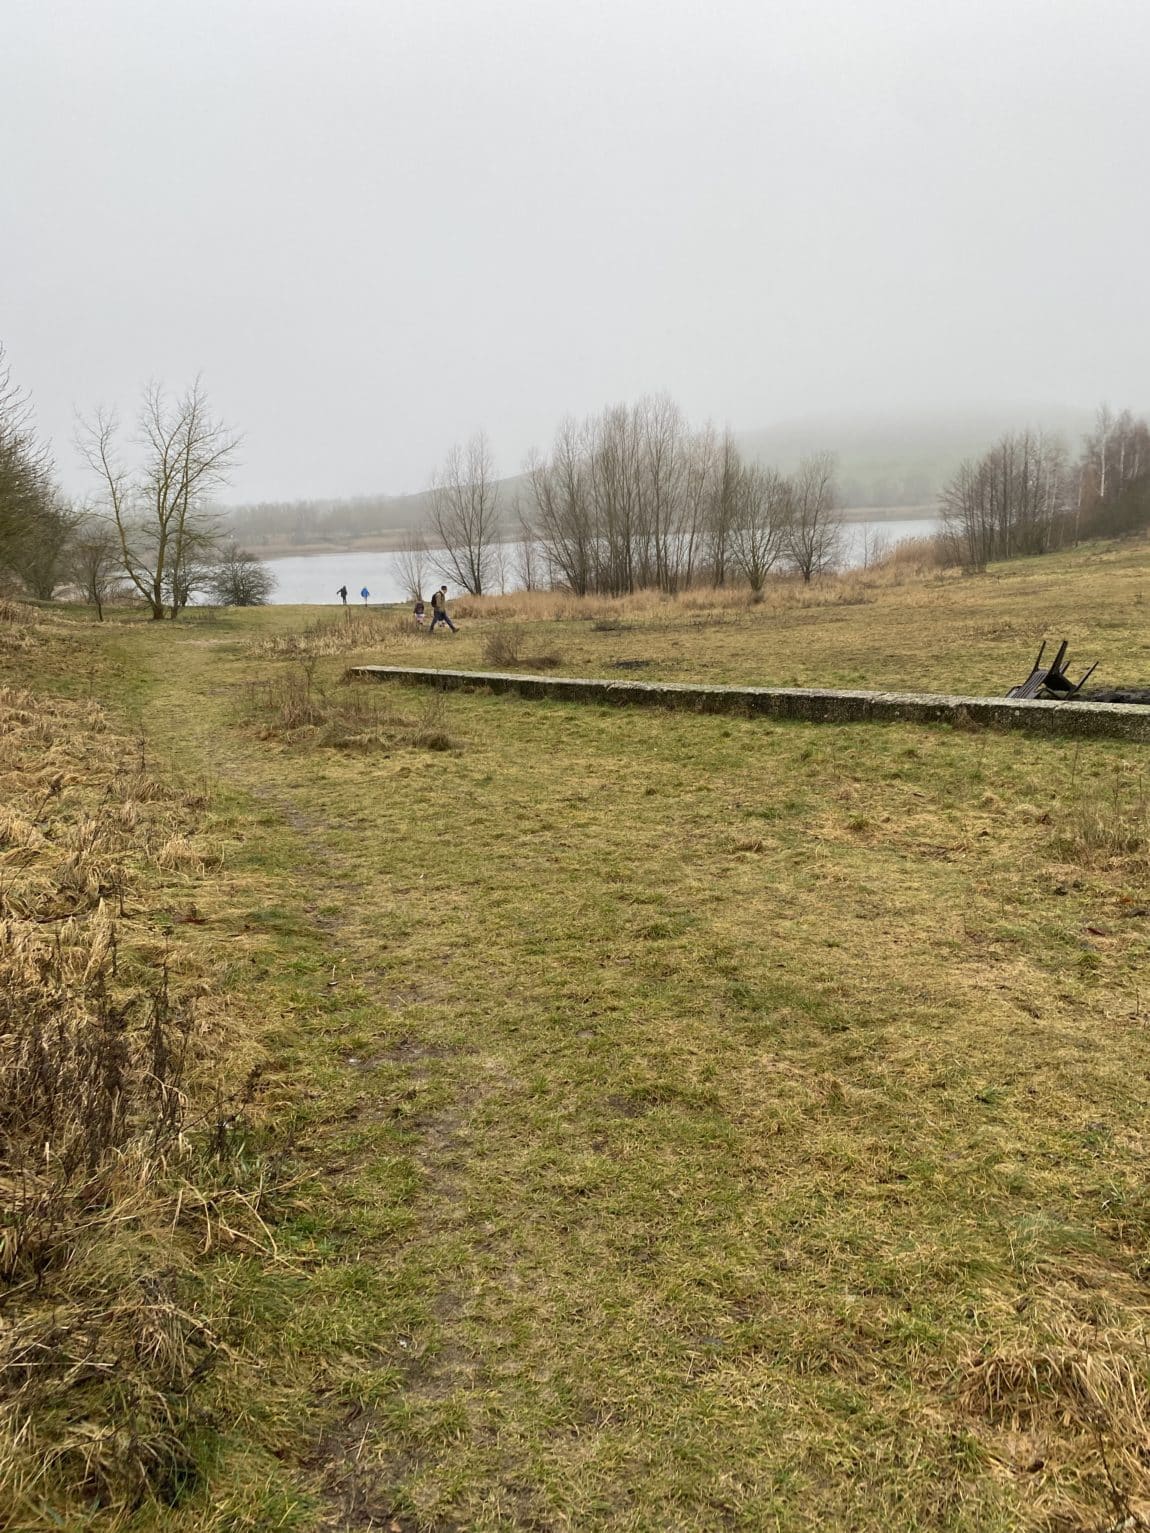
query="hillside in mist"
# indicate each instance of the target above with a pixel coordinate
(883, 461)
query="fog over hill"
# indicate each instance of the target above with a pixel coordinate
(907, 460)
(883, 461)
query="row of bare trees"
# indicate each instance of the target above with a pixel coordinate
(150, 529)
(634, 498)
(1025, 495)
(629, 499)
(1011, 501)
(1113, 496)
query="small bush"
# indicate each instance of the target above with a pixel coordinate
(17, 625)
(431, 732)
(503, 646)
(915, 555)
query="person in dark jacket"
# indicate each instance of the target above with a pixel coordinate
(439, 610)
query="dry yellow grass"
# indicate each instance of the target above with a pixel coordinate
(110, 1051)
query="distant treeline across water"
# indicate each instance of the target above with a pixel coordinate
(315, 579)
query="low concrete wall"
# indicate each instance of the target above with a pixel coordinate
(815, 706)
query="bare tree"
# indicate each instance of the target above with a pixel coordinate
(698, 481)
(563, 521)
(663, 445)
(413, 565)
(528, 555)
(1113, 475)
(873, 546)
(721, 508)
(762, 518)
(613, 468)
(465, 515)
(95, 562)
(160, 508)
(814, 535)
(193, 563)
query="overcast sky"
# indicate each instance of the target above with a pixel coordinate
(378, 225)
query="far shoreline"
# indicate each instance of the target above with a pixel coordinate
(391, 540)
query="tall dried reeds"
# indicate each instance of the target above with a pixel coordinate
(102, 1064)
(17, 625)
(351, 630)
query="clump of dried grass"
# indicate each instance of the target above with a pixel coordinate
(187, 854)
(17, 626)
(1077, 1404)
(300, 710)
(347, 633)
(1104, 825)
(430, 731)
(102, 1063)
(916, 556)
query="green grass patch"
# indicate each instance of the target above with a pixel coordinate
(692, 1122)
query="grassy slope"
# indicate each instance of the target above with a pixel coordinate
(709, 1124)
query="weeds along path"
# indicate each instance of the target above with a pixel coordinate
(709, 1124)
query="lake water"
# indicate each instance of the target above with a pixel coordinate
(314, 579)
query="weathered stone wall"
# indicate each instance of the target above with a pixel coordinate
(814, 705)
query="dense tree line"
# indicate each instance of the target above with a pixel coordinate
(633, 497)
(1011, 501)
(299, 523)
(36, 525)
(1025, 495)
(1114, 477)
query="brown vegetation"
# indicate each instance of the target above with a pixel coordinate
(294, 707)
(110, 1125)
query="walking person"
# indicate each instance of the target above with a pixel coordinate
(439, 610)
(365, 593)
(342, 594)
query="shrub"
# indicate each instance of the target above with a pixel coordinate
(503, 646)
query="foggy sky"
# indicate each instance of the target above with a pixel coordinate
(377, 225)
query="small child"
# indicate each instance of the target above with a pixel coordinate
(418, 614)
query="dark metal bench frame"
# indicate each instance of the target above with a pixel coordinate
(1051, 679)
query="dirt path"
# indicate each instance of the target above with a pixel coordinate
(391, 1088)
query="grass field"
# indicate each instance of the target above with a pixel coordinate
(681, 1122)
(891, 629)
